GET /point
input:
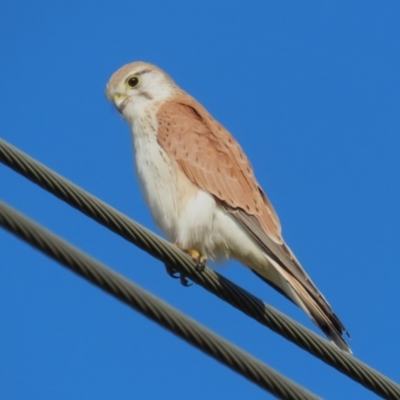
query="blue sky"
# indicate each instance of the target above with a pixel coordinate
(310, 90)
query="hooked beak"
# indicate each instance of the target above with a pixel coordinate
(120, 102)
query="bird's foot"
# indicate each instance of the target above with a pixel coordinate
(199, 259)
(196, 257)
(173, 273)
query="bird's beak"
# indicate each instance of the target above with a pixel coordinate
(120, 101)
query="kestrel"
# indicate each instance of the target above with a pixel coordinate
(202, 191)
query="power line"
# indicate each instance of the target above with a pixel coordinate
(210, 280)
(152, 307)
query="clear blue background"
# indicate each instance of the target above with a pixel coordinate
(309, 89)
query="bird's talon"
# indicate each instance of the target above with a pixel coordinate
(201, 263)
(172, 272)
(184, 281)
(198, 259)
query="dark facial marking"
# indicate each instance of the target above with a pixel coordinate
(145, 94)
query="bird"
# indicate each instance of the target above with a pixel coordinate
(202, 191)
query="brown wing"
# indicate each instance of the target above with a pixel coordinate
(213, 160)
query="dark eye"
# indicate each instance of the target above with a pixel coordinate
(133, 81)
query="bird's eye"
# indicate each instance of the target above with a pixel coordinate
(133, 81)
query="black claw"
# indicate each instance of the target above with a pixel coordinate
(200, 264)
(200, 267)
(184, 281)
(172, 272)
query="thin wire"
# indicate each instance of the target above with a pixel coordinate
(152, 307)
(210, 280)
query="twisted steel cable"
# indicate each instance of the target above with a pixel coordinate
(210, 280)
(152, 307)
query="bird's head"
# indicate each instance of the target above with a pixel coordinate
(139, 84)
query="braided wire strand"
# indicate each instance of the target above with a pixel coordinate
(209, 279)
(152, 307)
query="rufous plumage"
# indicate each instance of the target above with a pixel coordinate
(202, 191)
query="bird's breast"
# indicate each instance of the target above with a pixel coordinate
(165, 188)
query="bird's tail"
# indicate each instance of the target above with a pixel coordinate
(316, 307)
